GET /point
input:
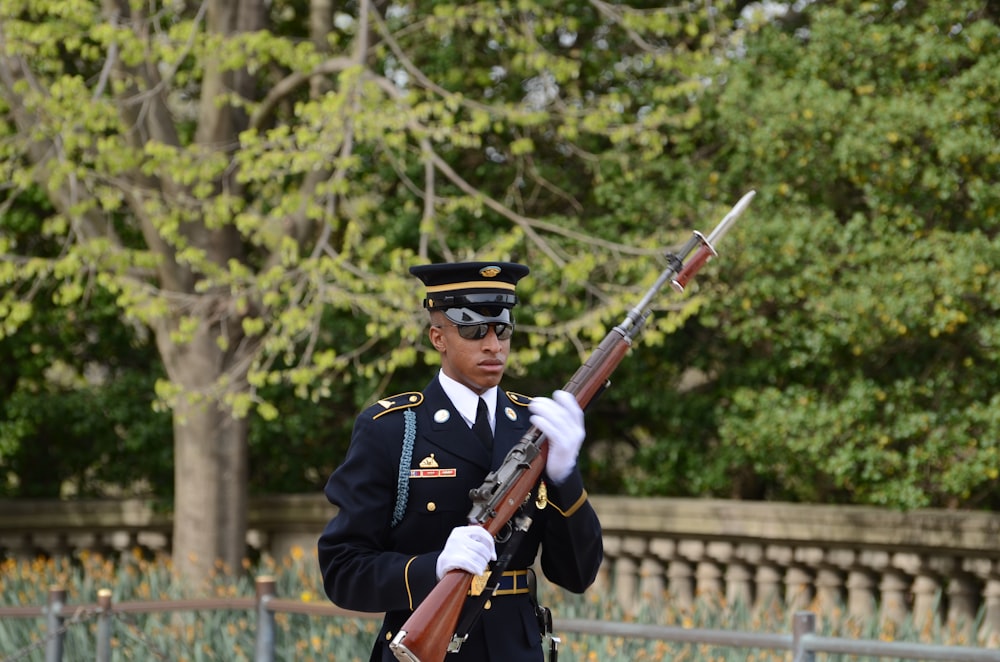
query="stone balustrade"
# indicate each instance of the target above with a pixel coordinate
(873, 562)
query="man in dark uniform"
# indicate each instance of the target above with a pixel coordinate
(402, 492)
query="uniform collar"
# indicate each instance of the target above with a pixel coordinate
(466, 401)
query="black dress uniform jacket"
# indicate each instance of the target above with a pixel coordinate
(369, 564)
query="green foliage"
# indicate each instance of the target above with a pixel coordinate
(263, 234)
(843, 347)
(76, 391)
(853, 347)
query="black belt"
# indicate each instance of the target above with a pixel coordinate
(512, 582)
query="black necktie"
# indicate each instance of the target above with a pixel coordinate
(482, 425)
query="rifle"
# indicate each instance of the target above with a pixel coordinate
(429, 633)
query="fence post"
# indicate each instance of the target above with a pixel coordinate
(804, 623)
(54, 624)
(104, 625)
(265, 619)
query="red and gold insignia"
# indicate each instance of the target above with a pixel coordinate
(433, 473)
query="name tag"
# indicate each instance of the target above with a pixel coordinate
(433, 473)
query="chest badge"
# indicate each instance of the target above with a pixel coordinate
(429, 469)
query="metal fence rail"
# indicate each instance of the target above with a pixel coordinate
(803, 641)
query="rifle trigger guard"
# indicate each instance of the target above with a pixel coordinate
(503, 535)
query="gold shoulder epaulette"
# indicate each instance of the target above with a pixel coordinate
(397, 402)
(519, 399)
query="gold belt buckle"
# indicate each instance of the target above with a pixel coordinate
(479, 584)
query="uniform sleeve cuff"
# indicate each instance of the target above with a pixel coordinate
(420, 578)
(568, 497)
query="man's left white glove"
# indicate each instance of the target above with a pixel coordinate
(561, 419)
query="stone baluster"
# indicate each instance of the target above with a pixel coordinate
(721, 555)
(626, 587)
(653, 570)
(652, 583)
(605, 574)
(861, 598)
(926, 589)
(628, 575)
(709, 584)
(739, 584)
(798, 580)
(803, 573)
(798, 587)
(842, 581)
(708, 580)
(929, 589)
(768, 580)
(625, 578)
(829, 584)
(740, 574)
(989, 632)
(680, 582)
(985, 571)
(693, 551)
(894, 588)
(962, 602)
(864, 569)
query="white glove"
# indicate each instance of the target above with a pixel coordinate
(561, 419)
(469, 548)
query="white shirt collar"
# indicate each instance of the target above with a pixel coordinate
(466, 401)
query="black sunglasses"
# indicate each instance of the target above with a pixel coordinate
(504, 330)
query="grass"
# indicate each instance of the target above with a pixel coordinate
(229, 635)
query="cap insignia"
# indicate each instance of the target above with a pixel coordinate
(489, 272)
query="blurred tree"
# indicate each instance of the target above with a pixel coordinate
(250, 180)
(76, 389)
(855, 350)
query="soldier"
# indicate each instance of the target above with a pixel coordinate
(402, 492)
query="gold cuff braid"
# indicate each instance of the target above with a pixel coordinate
(572, 509)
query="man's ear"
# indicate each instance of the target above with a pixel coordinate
(436, 336)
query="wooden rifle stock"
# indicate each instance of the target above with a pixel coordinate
(429, 633)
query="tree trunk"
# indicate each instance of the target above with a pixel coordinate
(210, 457)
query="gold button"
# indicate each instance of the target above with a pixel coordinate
(431, 506)
(487, 605)
(388, 636)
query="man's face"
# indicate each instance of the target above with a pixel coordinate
(478, 364)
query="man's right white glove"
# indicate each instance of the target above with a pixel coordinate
(561, 419)
(469, 548)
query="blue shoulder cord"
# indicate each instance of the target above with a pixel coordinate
(405, 458)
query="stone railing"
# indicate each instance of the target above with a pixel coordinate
(874, 562)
